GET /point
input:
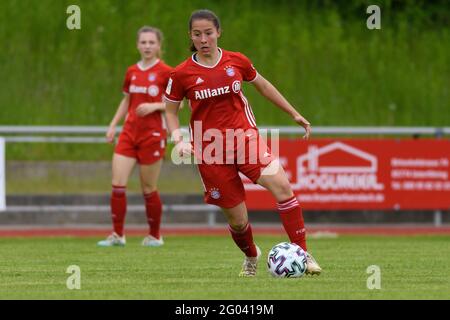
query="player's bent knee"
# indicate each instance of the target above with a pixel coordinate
(238, 225)
(283, 190)
(149, 189)
(119, 182)
(119, 179)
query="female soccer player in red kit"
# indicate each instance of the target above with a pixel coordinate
(211, 80)
(143, 138)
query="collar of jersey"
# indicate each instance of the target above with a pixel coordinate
(139, 64)
(210, 67)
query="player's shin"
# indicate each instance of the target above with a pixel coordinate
(153, 209)
(118, 208)
(292, 218)
(244, 240)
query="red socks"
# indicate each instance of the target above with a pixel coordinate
(153, 209)
(118, 208)
(292, 218)
(244, 240)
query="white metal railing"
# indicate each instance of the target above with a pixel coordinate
(95, 134)
(210, 210)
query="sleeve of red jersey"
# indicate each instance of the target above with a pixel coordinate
(167, 77)
(174, 90)
(249, 72)
(126, 82)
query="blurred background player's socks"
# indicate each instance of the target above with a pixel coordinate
(244, 240)
(153, 209)
(292, 218)
(118, 208)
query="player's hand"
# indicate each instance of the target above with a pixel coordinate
(110, 134)
(305, 124)
(144, 109)
(184, 149)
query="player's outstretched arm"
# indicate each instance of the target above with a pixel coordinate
(268, 90)
(120, 114)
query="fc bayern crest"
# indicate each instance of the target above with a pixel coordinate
(215, 194)
(153, 90)
(230, 71)
(151, 77)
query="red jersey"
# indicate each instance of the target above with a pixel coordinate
(215, 92)
(146, 85)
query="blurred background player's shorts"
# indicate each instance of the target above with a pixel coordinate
(147, 149)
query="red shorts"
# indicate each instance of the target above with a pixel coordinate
(223, 185)
(146, 149)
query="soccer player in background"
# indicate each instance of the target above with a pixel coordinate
(211, 80)
(143, 138)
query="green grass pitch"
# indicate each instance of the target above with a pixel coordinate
(206, 267)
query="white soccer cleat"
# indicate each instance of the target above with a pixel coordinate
(312, 267)
(250, 264)
(151, 241)
(113, 240)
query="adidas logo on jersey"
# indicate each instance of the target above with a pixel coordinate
(199, 80)
(208, 93)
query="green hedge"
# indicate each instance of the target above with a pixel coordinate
(319, 54)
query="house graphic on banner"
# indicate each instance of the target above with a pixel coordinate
(338, 167)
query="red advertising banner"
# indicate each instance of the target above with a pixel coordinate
(362, 174)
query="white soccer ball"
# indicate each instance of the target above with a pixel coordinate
(286, 260)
